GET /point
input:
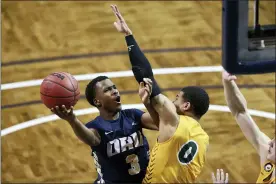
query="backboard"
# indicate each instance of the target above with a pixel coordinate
(245, 49)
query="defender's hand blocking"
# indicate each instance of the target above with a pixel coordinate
(221, 178)
(120, 24)
(145, 90)
(63, 113)
(228, 77)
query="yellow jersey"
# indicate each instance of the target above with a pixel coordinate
(266, 174)
(181, 158)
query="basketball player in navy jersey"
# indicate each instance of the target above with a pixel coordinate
(119, 147)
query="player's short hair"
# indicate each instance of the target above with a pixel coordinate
(90, 91)
(198, 98)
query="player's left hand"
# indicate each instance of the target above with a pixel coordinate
(145, 90)
(120, 24)
(221, 178)
(227, 76)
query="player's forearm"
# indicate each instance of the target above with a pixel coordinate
(83, 133)
(137, 57)
(140, 65)
(237, 105)
(165, 109)
(250, 130)
(157, 103)
(154, 115)
(234, 98)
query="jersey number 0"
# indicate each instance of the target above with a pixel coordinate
(187, 152)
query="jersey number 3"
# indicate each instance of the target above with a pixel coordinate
(133, 160)
(187, 152)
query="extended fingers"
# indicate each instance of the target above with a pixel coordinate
(218, 175)
(226, 178)
(118, 14)
(213, 178)
(115, 11)
(221, 175)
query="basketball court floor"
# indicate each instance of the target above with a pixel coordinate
(39, 38)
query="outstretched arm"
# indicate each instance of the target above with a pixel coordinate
(140, 65)
(142, 69)
(88, 136)
(238, 107)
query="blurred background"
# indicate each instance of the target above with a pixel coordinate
(42, 37)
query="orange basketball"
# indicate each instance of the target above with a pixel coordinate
(58, 89)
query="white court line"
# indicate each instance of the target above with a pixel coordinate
(128, 73)
(80, 112)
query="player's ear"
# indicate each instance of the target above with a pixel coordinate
(97, 102)
(186, 106)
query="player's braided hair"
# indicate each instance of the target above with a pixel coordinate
(90, 91)
(198, 98)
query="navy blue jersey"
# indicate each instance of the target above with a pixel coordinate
(123, 154)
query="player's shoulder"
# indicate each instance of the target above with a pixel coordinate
(132, 112)
(192, 127)
(93, 123)
(188, 122)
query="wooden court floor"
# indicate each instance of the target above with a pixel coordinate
(51, 152)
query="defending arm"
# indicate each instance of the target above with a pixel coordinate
(140, 65)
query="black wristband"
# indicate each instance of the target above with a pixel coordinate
(130, 40)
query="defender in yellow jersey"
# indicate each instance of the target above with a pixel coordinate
(262, 143)
(179, 153)
(180, 158)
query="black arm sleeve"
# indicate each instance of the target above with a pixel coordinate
(140, 65)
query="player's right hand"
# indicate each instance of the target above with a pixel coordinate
(120, 24)
(221, 177)
(228, 77)
(63, 113)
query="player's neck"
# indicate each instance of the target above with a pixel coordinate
(191, 115)
(109, 115)
(195, 118)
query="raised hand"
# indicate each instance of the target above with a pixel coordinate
(145, 89)
(120, 24)
(228, 77)
(63, 113)
(221, 178)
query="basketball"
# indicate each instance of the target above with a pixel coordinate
(59, 88)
